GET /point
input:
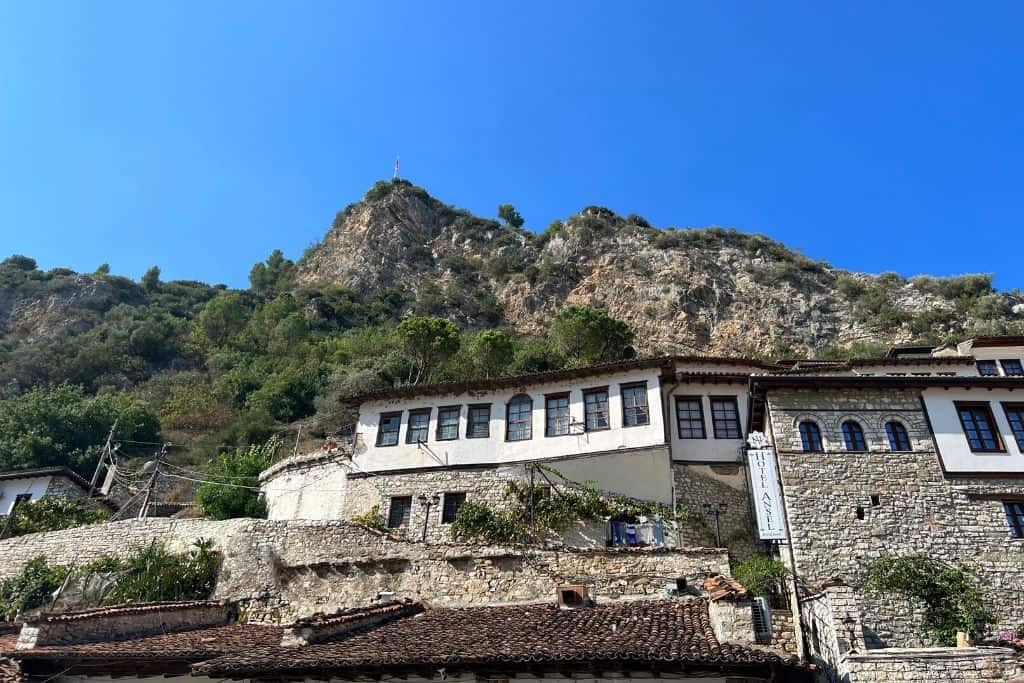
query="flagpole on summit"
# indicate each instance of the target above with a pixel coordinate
(395, 177)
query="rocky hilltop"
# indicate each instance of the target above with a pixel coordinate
(693, 290)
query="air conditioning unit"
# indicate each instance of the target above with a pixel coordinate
(762, 614)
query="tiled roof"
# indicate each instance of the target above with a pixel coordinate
(138, 608)
(191, 646)
(9, 672)
(645, 632)
(724, 588)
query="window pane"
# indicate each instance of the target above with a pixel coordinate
(725, 418)
(452, 503)
(899, 440)
(387, 433)
(1015, 416)
(557, 416)
(479, 426)
(853, 435)
(520, 414)
(448, 424)
(1015, 518)
(987, 368)
(810, 437)
(596, 407)
(398, 515)
(419, 425)
(690, 418)
(1012, 368)
(634, 405)
(978, 428)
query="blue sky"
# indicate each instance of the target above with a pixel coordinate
(199, 136)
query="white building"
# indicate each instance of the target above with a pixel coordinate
(24, 486)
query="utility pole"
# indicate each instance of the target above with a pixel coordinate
(105, 455)
(152, 482)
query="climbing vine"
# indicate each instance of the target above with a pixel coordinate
(535, 510)
(949, 593)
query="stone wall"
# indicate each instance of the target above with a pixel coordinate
(714, 484)
(931, 665)
(846, 509)
(296, 568)
(62, 487)
(733, 621)
(832, 622)
(783, 631)
(480, 484)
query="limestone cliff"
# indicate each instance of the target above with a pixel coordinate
(713, 290)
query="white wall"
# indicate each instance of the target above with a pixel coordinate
(949, 434)
(496, 449)
(708, 449)
(998, 353)
(313, 492)
(11, 488)
(919, 370)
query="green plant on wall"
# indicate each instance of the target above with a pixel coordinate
(536, 510)
(146, 574)
(33, 587)
(949, 592)
(52, 514)
(763, 576)
(371, 518)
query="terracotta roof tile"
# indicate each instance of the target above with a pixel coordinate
(134, 608)
(192, 646)
(643, 632)
(721, 587)
(9, 672)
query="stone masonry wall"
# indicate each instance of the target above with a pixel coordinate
(479, 485)
(846, 509)
(713, 484)
(290, 569)
(928, 666)
(61, 487)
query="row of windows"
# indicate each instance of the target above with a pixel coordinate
(1012, 367)
(400, 510)
(518, 417)
(725, 417)
(976, 419)
(979, 425)
(853, 437)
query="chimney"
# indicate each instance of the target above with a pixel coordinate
(573, 597)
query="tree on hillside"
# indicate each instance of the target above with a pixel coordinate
(151, 279)
(223, 317)
(491, 352)
(272, 276)
(508, 213)
(235, 493)
(103, 269)
(427, 342)
(62, 426)
(583, 336)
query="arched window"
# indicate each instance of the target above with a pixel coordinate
(519, 418)
(810, 436)
(853, 435)
(899, 440)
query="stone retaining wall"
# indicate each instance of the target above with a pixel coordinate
(295, 568)
(933, 664)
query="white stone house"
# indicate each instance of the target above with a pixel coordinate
(667, 429)
(29, 485)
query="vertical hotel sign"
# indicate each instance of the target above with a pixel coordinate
(764, 479)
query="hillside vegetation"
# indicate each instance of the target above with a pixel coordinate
(404, 288)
